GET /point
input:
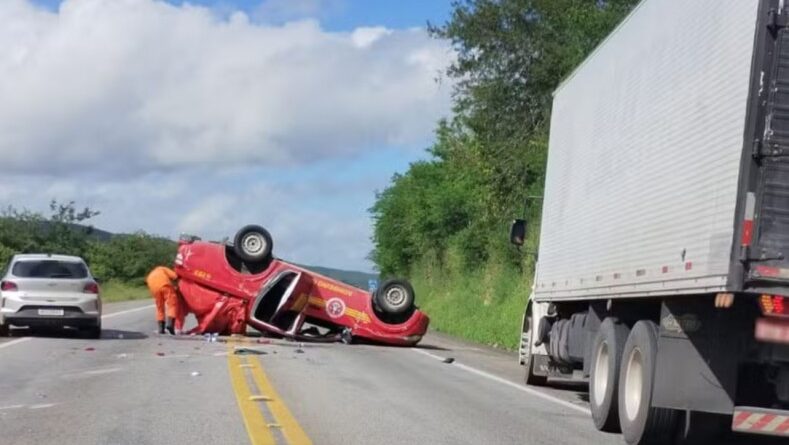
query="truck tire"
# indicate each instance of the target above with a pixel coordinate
(253, 244)
(606, 360)
(395, 297)
(642, 424)
(527, 358)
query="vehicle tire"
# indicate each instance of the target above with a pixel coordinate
(527, 358)
(642, 424)
(701, 428)
(94, 332)
(5, 330)
(253, 244)
(606, 360)
(394, 297)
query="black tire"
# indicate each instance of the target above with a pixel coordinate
(606, 360)
(701, 428)
(642, 424)
(5, 330)
(93, 332)
(253, 244)
(394, 297)
(527, 340)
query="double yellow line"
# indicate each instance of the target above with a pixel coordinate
(251, 400)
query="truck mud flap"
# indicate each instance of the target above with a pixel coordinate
(760, 421)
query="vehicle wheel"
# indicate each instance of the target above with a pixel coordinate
(5, 330)
(642, 424)
(527, 358)
(253, 243)
(698, 427)
(94, 331)
(606, 360)
(394, 297)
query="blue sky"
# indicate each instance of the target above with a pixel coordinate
(168, 120)
(339, 15)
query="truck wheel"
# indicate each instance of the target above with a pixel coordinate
(527, 358)
(394, 297)
(253, 243)
(604, 376)
(642, 424)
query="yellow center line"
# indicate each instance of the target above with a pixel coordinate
(291, 429)
(254, 421)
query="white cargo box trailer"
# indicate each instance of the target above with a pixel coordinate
(663, 264)
(646, 144)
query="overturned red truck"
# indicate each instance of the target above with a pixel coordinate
(229, 286)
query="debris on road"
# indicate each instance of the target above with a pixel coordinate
(260, 398)
(160, 354)
(448, 360)
(196, 374)
(248, 351)
(90, 348)
(299, 351)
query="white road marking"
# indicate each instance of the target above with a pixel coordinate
(103, 317)
(498, 379)
(42, 405)
(14, 342)
(128, 311)
(2, 408)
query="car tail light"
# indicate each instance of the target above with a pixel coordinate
(91, 288)
(8, 286)
(776, 305)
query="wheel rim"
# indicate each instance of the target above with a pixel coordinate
(600, 382)
(253, 243)
(395, 296)
(634, 383)
(526, 340)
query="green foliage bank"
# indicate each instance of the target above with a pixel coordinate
(444, 222)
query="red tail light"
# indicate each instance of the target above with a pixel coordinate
(774, 305)
(91, 288)
(8, 286)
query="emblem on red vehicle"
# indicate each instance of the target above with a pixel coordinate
(335, 308)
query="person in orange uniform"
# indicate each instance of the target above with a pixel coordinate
(160, 284)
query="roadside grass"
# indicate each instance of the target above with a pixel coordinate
(485, 306)
(114, 291)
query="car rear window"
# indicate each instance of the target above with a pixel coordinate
(49, 269)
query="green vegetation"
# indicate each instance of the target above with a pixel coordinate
(120, 261)
(444, 222)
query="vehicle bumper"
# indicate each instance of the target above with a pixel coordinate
(71, 317)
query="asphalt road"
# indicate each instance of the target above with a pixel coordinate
(135, 387)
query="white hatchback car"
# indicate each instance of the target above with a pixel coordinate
(49, 290)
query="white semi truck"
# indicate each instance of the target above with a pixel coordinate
(662, 276)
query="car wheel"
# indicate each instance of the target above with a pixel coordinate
(94, 331)
(527, 357)
(604, 374)
(253, 243)
(642, 424)
(395, 297)
(5, 330)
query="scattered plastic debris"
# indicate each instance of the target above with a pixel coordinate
(263, 341)
(274, 425)
(299, 351)
(448, 360)
(90, 348)
(260, 398)
(196, 374)
(248, 351)
(160, 354)
(121, 355)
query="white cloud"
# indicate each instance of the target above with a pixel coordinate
(132, 85)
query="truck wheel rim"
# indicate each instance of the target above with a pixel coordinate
(634, 384)
(395, 296)
(601, 374)
(253, 243)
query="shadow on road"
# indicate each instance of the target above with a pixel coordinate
(106, 334)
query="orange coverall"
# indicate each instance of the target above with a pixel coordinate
(160, 284)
